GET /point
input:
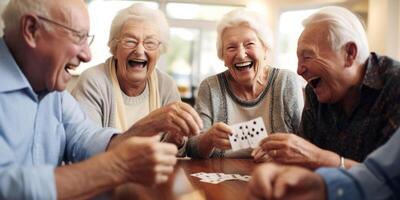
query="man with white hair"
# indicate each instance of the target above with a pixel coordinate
(41, 125)
(352, 105)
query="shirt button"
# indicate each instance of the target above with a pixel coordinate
(340, 192)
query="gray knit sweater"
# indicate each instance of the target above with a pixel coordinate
(95, 94)
(284, 107)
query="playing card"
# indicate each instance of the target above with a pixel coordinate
(215, 178)
(247, 134)
(256, 132)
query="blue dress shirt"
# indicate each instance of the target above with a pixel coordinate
(378, 177)
(38, 132)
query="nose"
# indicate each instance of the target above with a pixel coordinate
(301, 69)
(241, 51)
(85, 54)
(139, 50)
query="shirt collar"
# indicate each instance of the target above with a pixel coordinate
(11, 76)
(373, 74)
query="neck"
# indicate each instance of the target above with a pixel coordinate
(353, 94)
(252, 90)
(133, 89)
(24, 60)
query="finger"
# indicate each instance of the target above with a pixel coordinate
(222, 143)
(190, 122)
(181, 125)
(279, 136)
(222, 127)
(259, 156)
(255, 151)
(193, 113)
(164, 169)
(161, 178)
(272, 145)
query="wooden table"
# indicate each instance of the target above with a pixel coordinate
(182, 186)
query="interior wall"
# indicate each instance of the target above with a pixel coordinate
(384, 27)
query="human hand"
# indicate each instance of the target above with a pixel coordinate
(289, 149)
(271, 181)
(218, 135)
(177, 117)
(144, 160)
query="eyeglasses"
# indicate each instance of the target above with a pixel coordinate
(78, 37)
(149, 44)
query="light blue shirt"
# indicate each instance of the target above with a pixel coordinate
(37, 133)
(378, 177)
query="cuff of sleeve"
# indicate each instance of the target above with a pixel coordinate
(339, 184)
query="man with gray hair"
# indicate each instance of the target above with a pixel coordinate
(41, 125)
(352, 105)
(352, 96)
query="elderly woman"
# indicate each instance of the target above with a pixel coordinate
(128, 88)
(250, 88)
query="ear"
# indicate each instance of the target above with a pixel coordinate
(29, 29)
(350, 53)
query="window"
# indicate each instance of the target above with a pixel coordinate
(290, 28)
(192, 54)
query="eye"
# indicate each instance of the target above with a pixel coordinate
(129, 42)
(151, 43)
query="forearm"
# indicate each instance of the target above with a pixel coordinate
(88, 178)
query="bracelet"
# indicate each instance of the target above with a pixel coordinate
(341, 165)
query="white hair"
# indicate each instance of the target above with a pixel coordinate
(139, 12)
(252, 19)
(344, 26)
(17, 8)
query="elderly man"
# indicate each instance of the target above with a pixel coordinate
(352, 104)
(376, 178)
(41, 126)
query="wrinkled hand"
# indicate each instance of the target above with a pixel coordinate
(270, 181)
(144, 160)
(218, 135)
(288, 149)
(177, 117)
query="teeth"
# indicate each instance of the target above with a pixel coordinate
(243, 64)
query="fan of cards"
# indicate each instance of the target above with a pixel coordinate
(247, 134)
(215, 178)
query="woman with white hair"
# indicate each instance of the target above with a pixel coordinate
(250, 88)
(128, 88)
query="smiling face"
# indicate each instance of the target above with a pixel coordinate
(243, 54)
(134, 65)
(323, 68)
(56, 50)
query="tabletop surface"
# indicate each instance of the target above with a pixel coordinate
(182, 185)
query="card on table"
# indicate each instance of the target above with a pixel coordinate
(215, 178)
(247, 134)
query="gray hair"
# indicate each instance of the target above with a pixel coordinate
(252, 19)
(141, 13)
(17, 8)
(344, 26)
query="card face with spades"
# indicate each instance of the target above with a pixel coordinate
(247, 134)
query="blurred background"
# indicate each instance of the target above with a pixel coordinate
(192, 54)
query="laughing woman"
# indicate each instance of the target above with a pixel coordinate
(250, 88)
(128, 88)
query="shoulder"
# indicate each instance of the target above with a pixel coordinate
(212, 81)
(285, 75)
(96, 73)
(164, 79)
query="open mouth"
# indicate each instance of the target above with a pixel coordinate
(137, 63)
(69, 68)
(314, 82)
(244, 65)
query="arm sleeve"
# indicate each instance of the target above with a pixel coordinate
(84, 138)
(293, 101)
(17, 182)
(378, 177)
(203, 107)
